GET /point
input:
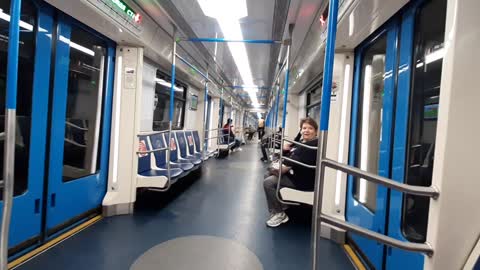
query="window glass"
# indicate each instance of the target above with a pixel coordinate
(314, 112)
(84, 104)
(315, 95)
(24, 89)
(428, 55)
(162, 104)
(370, 114)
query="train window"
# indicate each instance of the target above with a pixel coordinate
(24, 95)
(84, 105)
(162, 104)
(370, 114)
(428, 54)
(314, 98)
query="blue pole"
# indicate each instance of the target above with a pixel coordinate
(10, 126)
(13, 48)
(285, 100)
(205, 76)
(170, 115)
(322, 140)
(205, 124)
(257, 41)
(328, 65)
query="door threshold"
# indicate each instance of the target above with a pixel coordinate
(30, 255)
(356, 261)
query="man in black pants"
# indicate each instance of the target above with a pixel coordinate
(261, 128)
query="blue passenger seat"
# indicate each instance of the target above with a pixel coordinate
(182, 146)
(196, 138)
(145, 162)
(185, 164)
(158, 142)
(191, 145)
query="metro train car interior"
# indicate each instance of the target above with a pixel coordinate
(239, 134)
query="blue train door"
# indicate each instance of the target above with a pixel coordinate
(31, 126)
(396, 97)
(63, 121)
(80, 121)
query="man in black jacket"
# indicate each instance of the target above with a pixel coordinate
(293, 175)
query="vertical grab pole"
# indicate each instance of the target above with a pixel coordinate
(10, 123)
(205, 112)
(324, 118)
(220, 135)
(276, 118)
(230, 126)
(284, 119)
(170, 115)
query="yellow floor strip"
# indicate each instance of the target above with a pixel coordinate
(53, 242)
(353, 256)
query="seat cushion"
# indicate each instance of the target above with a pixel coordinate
(152, 173)
(183, 165)
(193, 160)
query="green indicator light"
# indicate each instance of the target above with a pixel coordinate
(136, 17)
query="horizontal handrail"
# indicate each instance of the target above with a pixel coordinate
(75, 143)
(213, 129)
(152, 151)
(409, 246)
(300, 163)
(148, 133)
(409, 189)
(75, 126)
(302, 144)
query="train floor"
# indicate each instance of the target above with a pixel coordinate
(216, 217)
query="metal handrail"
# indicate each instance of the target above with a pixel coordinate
(213, 129)
(300, 163)
(405, 188)
(302, 144)
(152, 151)
(75, 126)
(148, 133)
(277, 193)
(409, 246)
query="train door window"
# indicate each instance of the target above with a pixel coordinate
(428, 55)
(161, 111)
(370, 112)
(24, 95)
(84, 104)
(314, 97)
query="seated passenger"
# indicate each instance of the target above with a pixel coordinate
(251, 131)
(228, 130)
(293, 175)
(278, 136)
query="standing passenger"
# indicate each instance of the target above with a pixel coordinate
(293, 175)
(261, 128)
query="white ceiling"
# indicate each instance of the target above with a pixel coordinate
(257, 25)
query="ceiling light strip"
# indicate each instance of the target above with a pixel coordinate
(258, 41)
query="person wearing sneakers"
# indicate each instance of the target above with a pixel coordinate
(293, 175)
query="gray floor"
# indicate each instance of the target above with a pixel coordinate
(198, 252)
(226, 202)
